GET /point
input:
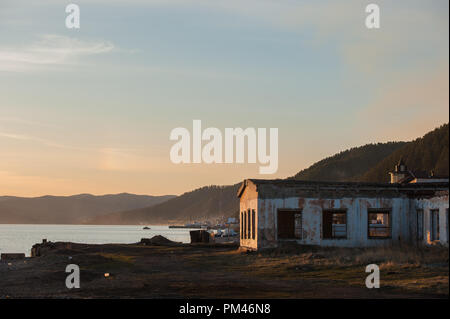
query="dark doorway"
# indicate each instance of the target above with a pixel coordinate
(289, 224)
(327, 224)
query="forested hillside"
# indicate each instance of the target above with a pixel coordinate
(349, 164)
(428, 153)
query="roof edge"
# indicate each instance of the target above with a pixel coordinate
(294, 183)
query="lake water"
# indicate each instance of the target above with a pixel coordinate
(20, 238)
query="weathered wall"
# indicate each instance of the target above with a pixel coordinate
(312, 199)
(357, 220)
(442, 204)
(249, 200)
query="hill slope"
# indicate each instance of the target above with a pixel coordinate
(69, 209)
(203, 203)
(428, 153)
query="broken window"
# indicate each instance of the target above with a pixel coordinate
(253, 224)
(334, 224)
(434, 224)
(419, 224)
(446, 218)
(379, 224)
(298, 225)
(248, 224)
(289, 224)
(242, 225)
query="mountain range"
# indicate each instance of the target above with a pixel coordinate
(204, 203)
(371, 162)
(76, 209)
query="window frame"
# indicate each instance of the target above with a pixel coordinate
(300, 235)
(249, 225)
(242, 225)
(253, 224)
(435, 230)
(446, 222)
(293, 212)
(420, 224)
(387, 211)
(332, 212)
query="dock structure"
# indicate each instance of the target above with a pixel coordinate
(12, 256)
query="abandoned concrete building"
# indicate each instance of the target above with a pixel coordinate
(343, 214)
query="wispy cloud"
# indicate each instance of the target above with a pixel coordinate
(22, 121)
(50, 50)
(110, 158)
(23, 137)
(129, 160)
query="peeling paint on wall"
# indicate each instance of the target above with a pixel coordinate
(401, 205)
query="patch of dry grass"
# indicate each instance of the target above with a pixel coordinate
(118, 257)
(414, 269)
(394, 255)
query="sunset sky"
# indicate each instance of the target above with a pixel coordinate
(91, 110)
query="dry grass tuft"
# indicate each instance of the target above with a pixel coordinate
(387, 256)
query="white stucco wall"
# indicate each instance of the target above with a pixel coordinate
(402, 210)
(357, 220)
(249, 201)
(440, 203)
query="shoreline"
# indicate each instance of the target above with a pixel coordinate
(19, 238)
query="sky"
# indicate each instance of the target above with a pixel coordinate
(90, 110)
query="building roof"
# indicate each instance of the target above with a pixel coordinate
(421, 175)
(280, 187)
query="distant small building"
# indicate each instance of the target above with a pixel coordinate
(400, 172)
(343, 214)
(402, 175)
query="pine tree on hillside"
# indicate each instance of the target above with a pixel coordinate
(428, 153)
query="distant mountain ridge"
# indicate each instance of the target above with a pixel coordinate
(73, 209)
(207, 202)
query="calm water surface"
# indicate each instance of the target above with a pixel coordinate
(20, 238)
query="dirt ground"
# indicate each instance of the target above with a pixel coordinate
(224, 271)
